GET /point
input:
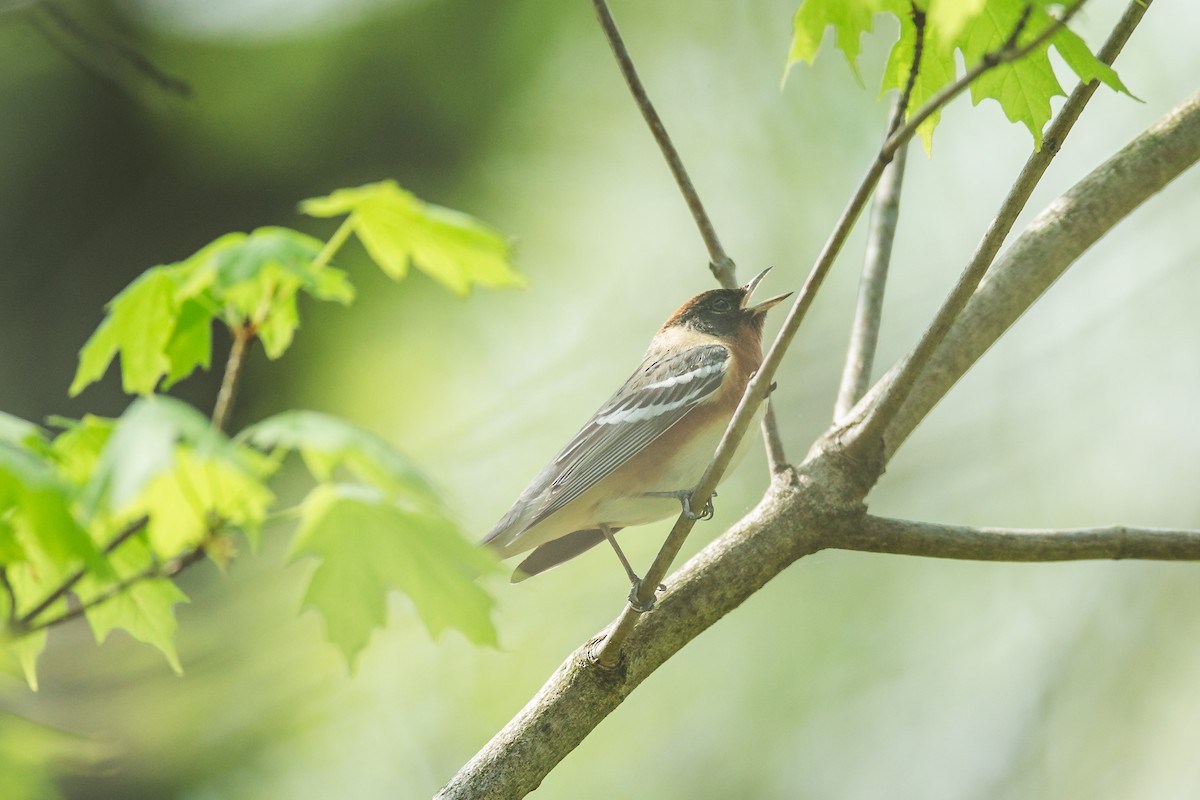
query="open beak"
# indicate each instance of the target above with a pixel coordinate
(765, 305)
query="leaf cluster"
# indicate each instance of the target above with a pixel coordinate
(98, 515)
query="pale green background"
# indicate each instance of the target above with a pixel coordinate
(851, 676)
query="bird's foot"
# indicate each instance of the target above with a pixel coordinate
(684, 496)
(635, 604)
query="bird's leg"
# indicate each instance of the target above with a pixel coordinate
(684, 496)
(634, 581)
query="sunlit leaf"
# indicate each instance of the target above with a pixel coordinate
(138, 326)
(326, 442)
(368, 546)
(850, 19)
(142, 446)
(200, 488)
(190, 345)
(398, 229)
(145, 608)
(977, 28)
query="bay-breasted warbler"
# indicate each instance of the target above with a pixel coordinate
(639, 456)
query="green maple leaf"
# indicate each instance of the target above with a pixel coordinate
(397, 229)
(139, 325)
(145, 609)
(1023, 87)
(326, 443)
(161, 324)
(369, 546)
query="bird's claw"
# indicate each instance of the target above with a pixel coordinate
(707, 513)
(637, 605)
(684, 496)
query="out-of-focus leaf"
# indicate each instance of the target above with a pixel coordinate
(190, 345)
(397, 229)
(36, 504)
(326, 442)
(30, 584)
(367, 546)
(144, 609)
(139, 324)
(15, 430)
(77, 449)
(142, 445)
(183, 501)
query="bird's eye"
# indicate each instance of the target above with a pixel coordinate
(722, 305)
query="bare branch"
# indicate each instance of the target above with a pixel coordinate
(759, 386)
(721, 264)
(868, 311)
(107, 59)
(896, 390)
(905, 537)
(1051, 244)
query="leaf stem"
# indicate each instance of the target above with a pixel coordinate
(242, 336)
(334, 244)
(155, 571)
(25, 621)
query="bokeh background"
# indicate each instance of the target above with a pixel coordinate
(851, 675)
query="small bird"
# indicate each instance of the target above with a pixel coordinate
(641, 454)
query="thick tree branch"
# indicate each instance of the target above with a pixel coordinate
(820, 505)
(905, 537)
(1051, 244)
(759, 386)
(894, 392)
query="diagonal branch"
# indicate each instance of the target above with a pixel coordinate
(885, 213)
(719, 261)
(905, 537)
(26, 620)
(1051, 244)
(155, 571)
(722, 266)
(815, 507)
(759, 386)
(895, 391)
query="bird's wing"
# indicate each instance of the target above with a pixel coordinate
(654, 398)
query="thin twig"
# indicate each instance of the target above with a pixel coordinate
(758, 387)
(885, 213)
(897, 389)
(12, 597)
(722, 266)
(906, 537)
(720, 263)
(168, 570)
(102, 56)
(26, 619)
(242, 336)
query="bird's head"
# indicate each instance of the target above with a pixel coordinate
(726, 313)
